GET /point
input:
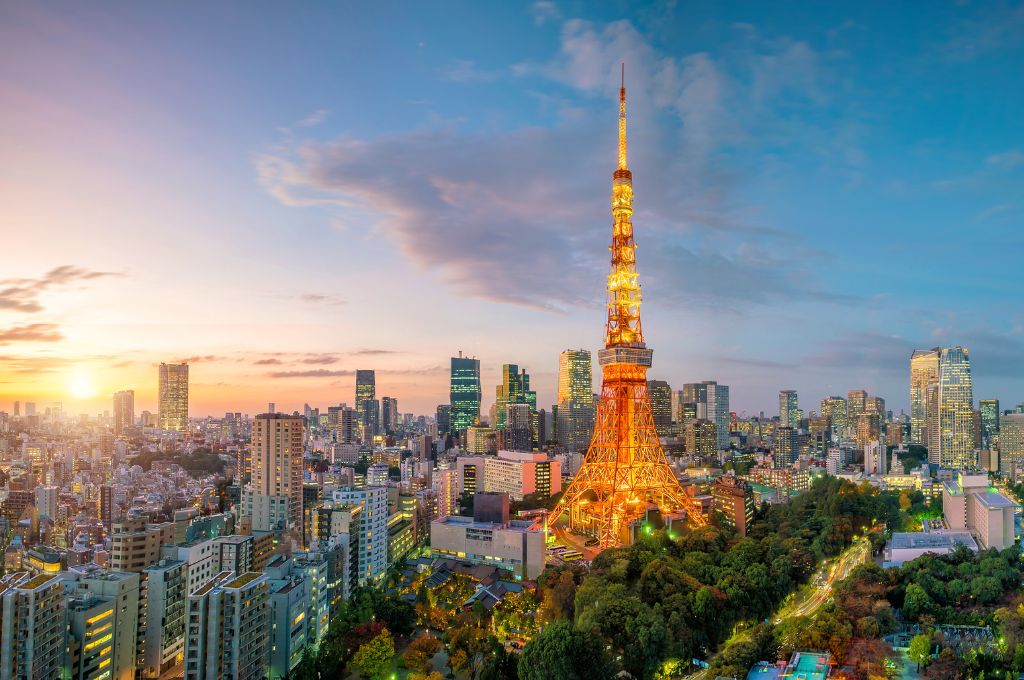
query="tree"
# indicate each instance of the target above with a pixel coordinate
(947, 666)
(920, 650)
(374, 657)
(917, 602)
(562, 651)
(468, 649)
(421, 652)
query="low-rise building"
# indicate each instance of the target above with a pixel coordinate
(517, 546)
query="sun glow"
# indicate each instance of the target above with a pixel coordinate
(81, 385)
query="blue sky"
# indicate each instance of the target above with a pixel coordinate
(287, 193)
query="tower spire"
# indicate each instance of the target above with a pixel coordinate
(622, 120)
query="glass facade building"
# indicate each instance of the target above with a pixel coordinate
(465, 394)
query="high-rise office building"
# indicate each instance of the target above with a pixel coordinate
(511, 390)
(856, 404)
(366, 390)
(712, 402)
(443, 418)
(574, 420)
(788, 409)
(784, 449)
(465, 394)
(685, 411)
(876, 405)
(924, 370)
(660, 393)
(701, 440)
(389, 415)
(835, 409)
(989, 420)
(869, 428)
(518, 430)
(274, 498)
(124, 410)
(955, 433)
(173, 397)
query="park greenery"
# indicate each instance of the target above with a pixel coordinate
(649, 608)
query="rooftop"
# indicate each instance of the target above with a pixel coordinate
(808, 666)
(994, 499)
(937, 540)
(244, 580)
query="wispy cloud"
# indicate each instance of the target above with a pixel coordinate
(313, 119)
(467, 71)
(34, 332)
(200, 358)
(536, 212)
(544, 11)
(327, 373)
(22, 295)
(320, 299)
(1006, 160)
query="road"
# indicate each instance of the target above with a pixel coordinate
(811, 599)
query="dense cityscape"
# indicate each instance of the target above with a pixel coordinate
(637, 526)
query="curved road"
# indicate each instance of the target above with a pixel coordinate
(808, 603)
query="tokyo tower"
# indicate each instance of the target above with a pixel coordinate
(625, 468)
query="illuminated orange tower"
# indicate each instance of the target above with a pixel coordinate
(625, 468)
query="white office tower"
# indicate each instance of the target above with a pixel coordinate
(373, 529)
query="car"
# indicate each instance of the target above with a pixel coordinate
(591, 542)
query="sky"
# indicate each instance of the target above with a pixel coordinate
(283, 193)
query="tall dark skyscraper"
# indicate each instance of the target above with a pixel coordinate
(661, 406)
(989, 419)
(366, 390)
(444, 419)
(465, 394)
(389, 414)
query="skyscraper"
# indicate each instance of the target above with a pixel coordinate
(518, 427)
(575, 415)
(661, 406)
(924, 370)
(173, 397)
(835, 409)
(856, 404)
(989, 420)
(712, 402)
(275, 495)
(124, 410)
(366, 390)
(388, 414)
(465, 394)
(513, 389)
(788, 415)
(956, 411)
(443, 418)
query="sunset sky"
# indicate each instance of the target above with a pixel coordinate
(283, 196)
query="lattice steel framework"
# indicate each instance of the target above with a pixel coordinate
(625, 467)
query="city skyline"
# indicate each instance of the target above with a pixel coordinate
(174, 211)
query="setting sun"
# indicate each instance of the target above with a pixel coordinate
(81, 385)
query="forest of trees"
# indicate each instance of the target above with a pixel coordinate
(663, 600)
